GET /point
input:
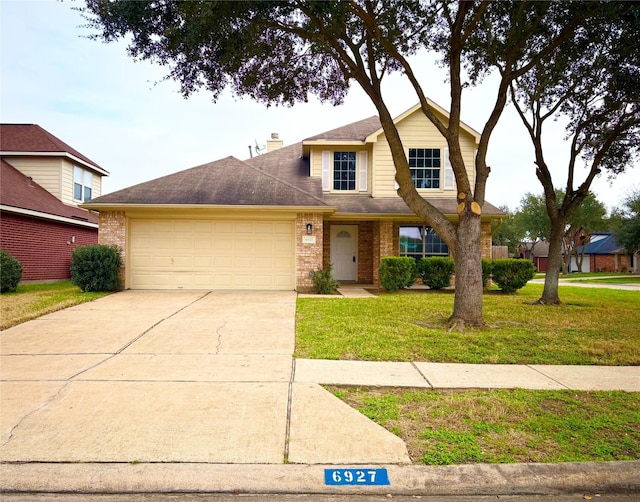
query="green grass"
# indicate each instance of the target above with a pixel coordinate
(30, 301)
(614, 280)
(506, 426)
(593, 326)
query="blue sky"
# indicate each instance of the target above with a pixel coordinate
(121, 115)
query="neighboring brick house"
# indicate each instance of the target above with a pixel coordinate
(267, 222)
(603, 254)
(42, 182)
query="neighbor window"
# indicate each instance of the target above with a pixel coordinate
(420, 242)
(425, 167)
(82, 181)
(344, 170)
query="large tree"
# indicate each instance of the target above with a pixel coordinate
(592, 82)
(625, 222)
(282, 52)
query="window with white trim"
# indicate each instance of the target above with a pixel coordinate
(425, 165)
(344, 171)
(82, 184)
(421, 241)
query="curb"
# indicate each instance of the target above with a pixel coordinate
(472, 479)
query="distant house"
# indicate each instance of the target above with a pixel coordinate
(604, 254)
(267, 222)
(537, 252)
(43, 180)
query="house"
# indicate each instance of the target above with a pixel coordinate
(268, 221)
(603, 254)
(537, 252)
(43, 180)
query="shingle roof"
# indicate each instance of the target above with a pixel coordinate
(19, 191)
(602, 243)
(33, 138)
(225, 182)
(356, 131)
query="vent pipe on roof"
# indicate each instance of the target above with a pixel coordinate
(275, 143)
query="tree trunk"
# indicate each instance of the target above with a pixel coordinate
(555, 263)
(467, 305)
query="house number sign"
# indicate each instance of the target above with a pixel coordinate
(308, 239)
(358, 477)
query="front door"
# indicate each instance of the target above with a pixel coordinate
(344, 252)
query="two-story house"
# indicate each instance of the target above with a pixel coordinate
(42, 182)
(267, 222)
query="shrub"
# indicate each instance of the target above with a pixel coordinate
(487, 270)
(512, 274)
(397, 272)
(323, 281)
(10, 272)
(96, 268)
(436, 271)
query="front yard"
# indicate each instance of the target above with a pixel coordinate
(592, 327)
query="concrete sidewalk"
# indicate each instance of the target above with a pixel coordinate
(145, 391)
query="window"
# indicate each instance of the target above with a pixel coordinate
(425, 167)
(344, 170)
(82, 181)
(420, 242)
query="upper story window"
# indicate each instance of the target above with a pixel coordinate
(425, 166)
(82, 183)
(344, 170)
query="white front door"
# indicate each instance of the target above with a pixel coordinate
(344, 252)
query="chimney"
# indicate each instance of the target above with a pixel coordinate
(275, 143)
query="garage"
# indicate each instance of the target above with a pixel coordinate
(211, 254)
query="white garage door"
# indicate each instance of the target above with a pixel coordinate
(211, 254)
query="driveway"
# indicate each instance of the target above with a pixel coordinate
(166, 376)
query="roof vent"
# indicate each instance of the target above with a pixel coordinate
(275, 143)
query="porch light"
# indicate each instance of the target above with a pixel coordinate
(309, 228)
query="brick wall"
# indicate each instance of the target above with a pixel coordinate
(609, 263)
(485, 239)
(43, 247)
(113, 232)
(308, 256)
(383, 245)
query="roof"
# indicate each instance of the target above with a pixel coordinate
(23, 139)
(277, 178)
(356, 131)
(226, 182)
(21, 193)
(602, 243)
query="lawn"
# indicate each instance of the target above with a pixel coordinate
(505, 426)
(593, 326)
(30, 301)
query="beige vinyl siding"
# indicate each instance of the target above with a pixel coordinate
(416, 131)
(46, 172)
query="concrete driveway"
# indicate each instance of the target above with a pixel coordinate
(165, 376)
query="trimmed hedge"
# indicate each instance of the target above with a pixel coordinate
(487, 270)
(10, 272)
(436, 271)
(397, 272)
(323, 281)
(512, 274)
(96, 268)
